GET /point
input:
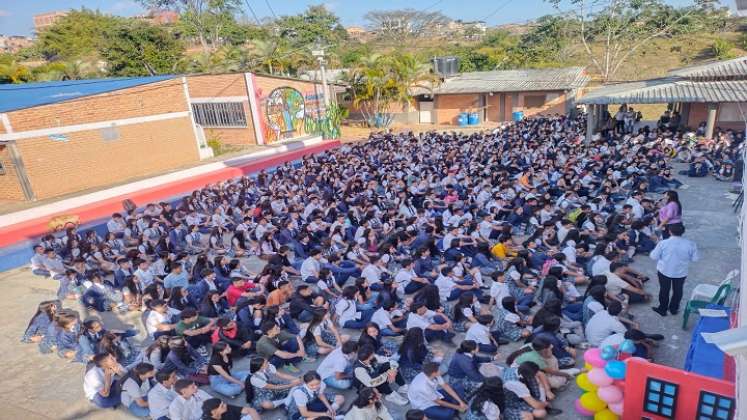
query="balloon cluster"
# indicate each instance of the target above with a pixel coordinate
(603, 382)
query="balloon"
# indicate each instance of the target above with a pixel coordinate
(620, 384)
(615, 369)
(598, 377)
(591, 402)
(627, 346)
(608, 353)
(581, 410)
(593, 356)
(610, 394)
(624, 356)
(588, 366)
(617, 408)
(605, 415)
(584, 383)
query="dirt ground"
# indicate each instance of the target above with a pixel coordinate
(40, 386)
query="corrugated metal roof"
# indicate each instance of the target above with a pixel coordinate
(668, 89)
(736, 68)
(514, 81)
(27, 95)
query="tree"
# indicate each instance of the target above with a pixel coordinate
(209, 21)
(80, 34)
(380, 82)
(138, 48)
(401, 24)
(13, 72)
(316, 23)
(622, 27)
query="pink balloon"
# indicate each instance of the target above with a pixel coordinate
(610, 394)
(581, 410)
(617, 407)
(599, 377)
(593, 356)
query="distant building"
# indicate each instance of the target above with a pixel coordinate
(357, 33)
(14, 43)
(160, 17)
(45, 20)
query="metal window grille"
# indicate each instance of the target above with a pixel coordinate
(219, 114)
(661, 398)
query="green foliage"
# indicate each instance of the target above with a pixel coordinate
(139, 49)
(722, 49)
(14, 73)
(82, 33)
(316, 23)
(215, 143)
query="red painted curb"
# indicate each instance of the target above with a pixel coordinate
(18, 232)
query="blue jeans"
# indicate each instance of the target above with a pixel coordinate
(366, 315)
(338, 383)
(442, 413)
(522, 304)
(344, 271)
(225, 387)
(138, 411)
(574, 311)
(111, 401)
(387, 332)
(290, 346)
(413, 287)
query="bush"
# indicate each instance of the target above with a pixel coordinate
(216, 144)
(722, 49)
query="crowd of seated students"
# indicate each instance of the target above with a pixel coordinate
(371, 255)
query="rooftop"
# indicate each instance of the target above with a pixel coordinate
(567, 78)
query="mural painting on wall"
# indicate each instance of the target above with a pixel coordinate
(285, 112)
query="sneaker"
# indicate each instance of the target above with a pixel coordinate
(403, 389)
(397, 399)
(553, 411)
(661, 312)
(292, 369)
(573, 371)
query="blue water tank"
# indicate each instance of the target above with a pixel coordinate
(474, 119)
(518, 115)
(463, 119)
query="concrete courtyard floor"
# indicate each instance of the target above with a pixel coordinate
(37, 386)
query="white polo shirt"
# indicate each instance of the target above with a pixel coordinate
(335, 362)
(371, 273)
(381, 318)
(601, 326)
(421, 321)
(93, 382)
(445, 285)
(478, 333)
(423, 391)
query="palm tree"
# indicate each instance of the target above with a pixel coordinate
(14, 73)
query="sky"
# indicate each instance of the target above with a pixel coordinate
(16, 16)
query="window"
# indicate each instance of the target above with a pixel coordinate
(661, 398)
(715, 407)
(219, 114)
(534, 101)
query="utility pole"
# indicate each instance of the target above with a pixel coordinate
(318, 52)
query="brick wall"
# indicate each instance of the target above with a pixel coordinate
(551, 106)
(10, 188)
(448, 107)
(151, 99)
(86, 160)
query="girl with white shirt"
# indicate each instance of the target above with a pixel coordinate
(489, 401)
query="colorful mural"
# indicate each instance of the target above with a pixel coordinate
(285, 111)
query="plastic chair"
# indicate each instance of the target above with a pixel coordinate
(706, 291)
(693, 305)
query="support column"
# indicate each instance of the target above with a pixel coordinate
(590, 123)
(711, 120)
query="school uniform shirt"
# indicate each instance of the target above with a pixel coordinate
(146, 277)
(381, 318)
(498, 291)
(346, 311)
(601, 326)
(159, 399)
(300, 398)
(615, 284)
(423, 391)
(478, 333)
(600, 266)
(131, 391)
(191, 409)
(37, 262)
(93, 382)
(371, 273)
(176, 280)
(445, 286)
(335, 362)
(403, 278)
(153, 320)
(422, 321)
(259, 379)
(491, 411)
(310, 267)
(673, 256)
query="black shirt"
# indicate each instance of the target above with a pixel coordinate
(217, 360)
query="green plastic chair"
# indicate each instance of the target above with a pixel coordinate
(693, 305)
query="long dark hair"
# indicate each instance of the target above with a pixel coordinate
(491, 390)
(673, 196)
(134, 374)
(255, 364)
(45, 307)
(162, 343)
(414, 341)
(364, 398)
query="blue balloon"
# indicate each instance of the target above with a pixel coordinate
(608, 353)
(615, 369)
(627, 346)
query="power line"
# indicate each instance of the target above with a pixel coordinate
(267, 2)
(497, 9)
(432, 5)
(251, 10)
